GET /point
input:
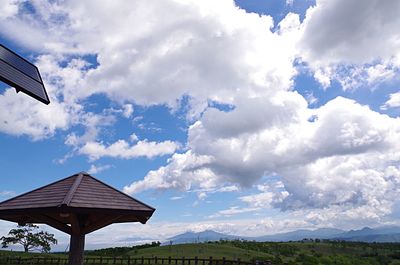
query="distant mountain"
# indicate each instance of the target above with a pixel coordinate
(381, 238)
(380, 234)
(192, 237)
(301, 234)
(366, 234)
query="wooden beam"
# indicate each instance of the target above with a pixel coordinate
(71, 192)
(76, 248)
(52, 222)
(23, 220)
(77, 241)
(75, 224)
(100, 223)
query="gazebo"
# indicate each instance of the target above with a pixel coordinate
(76, 205)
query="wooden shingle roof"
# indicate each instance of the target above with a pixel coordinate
(78, 194)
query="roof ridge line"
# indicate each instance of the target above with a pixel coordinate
(71, 192)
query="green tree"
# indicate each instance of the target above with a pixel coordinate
(30, 238)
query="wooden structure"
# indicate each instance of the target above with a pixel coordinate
(76, 205)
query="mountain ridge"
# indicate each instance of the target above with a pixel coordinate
(366, 234)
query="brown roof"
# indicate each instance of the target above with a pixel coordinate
(79, 194)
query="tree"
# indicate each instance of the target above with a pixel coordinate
(30, 238)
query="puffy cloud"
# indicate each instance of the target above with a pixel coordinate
(123, 149)
(181, 172)
(8, 8)
(133, 137)
(234, 210)
(163, 62)
(393, 101)
(264, 199)
(358, 180)
(175, 198)
(26, 116)
(22, 115)
(331, 157)
(202, 50)
(168, 57)
(346, 142)
(127, 110)
(340, 158)
(354, 42)
(97, 169)
(351, 31)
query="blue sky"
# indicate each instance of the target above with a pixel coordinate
(247, 117)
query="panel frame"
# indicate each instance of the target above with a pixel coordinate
(19, 88)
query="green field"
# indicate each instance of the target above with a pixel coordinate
(217, 251)
(31, 255)
(305, 253)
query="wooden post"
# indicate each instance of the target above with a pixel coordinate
(77, 245)
(77, 241)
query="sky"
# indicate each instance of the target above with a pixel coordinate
(247, 117)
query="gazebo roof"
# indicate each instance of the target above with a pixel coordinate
(80, 194)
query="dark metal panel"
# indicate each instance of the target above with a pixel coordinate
(21, 74)
(19, 63)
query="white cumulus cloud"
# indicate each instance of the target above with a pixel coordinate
(354, 42)
(393, 101)
(122, 149)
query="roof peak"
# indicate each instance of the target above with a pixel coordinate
(72, 190)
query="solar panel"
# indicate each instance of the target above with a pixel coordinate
(21, 74)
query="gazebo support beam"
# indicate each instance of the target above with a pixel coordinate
(76, 248)
(54, 223)
(77, 241)
(100, 224)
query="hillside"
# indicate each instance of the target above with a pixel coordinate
(303, 252)
(307, 252)
(199, 250)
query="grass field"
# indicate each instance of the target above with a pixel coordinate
(304, 253)
(217, 251)
(30, 254)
